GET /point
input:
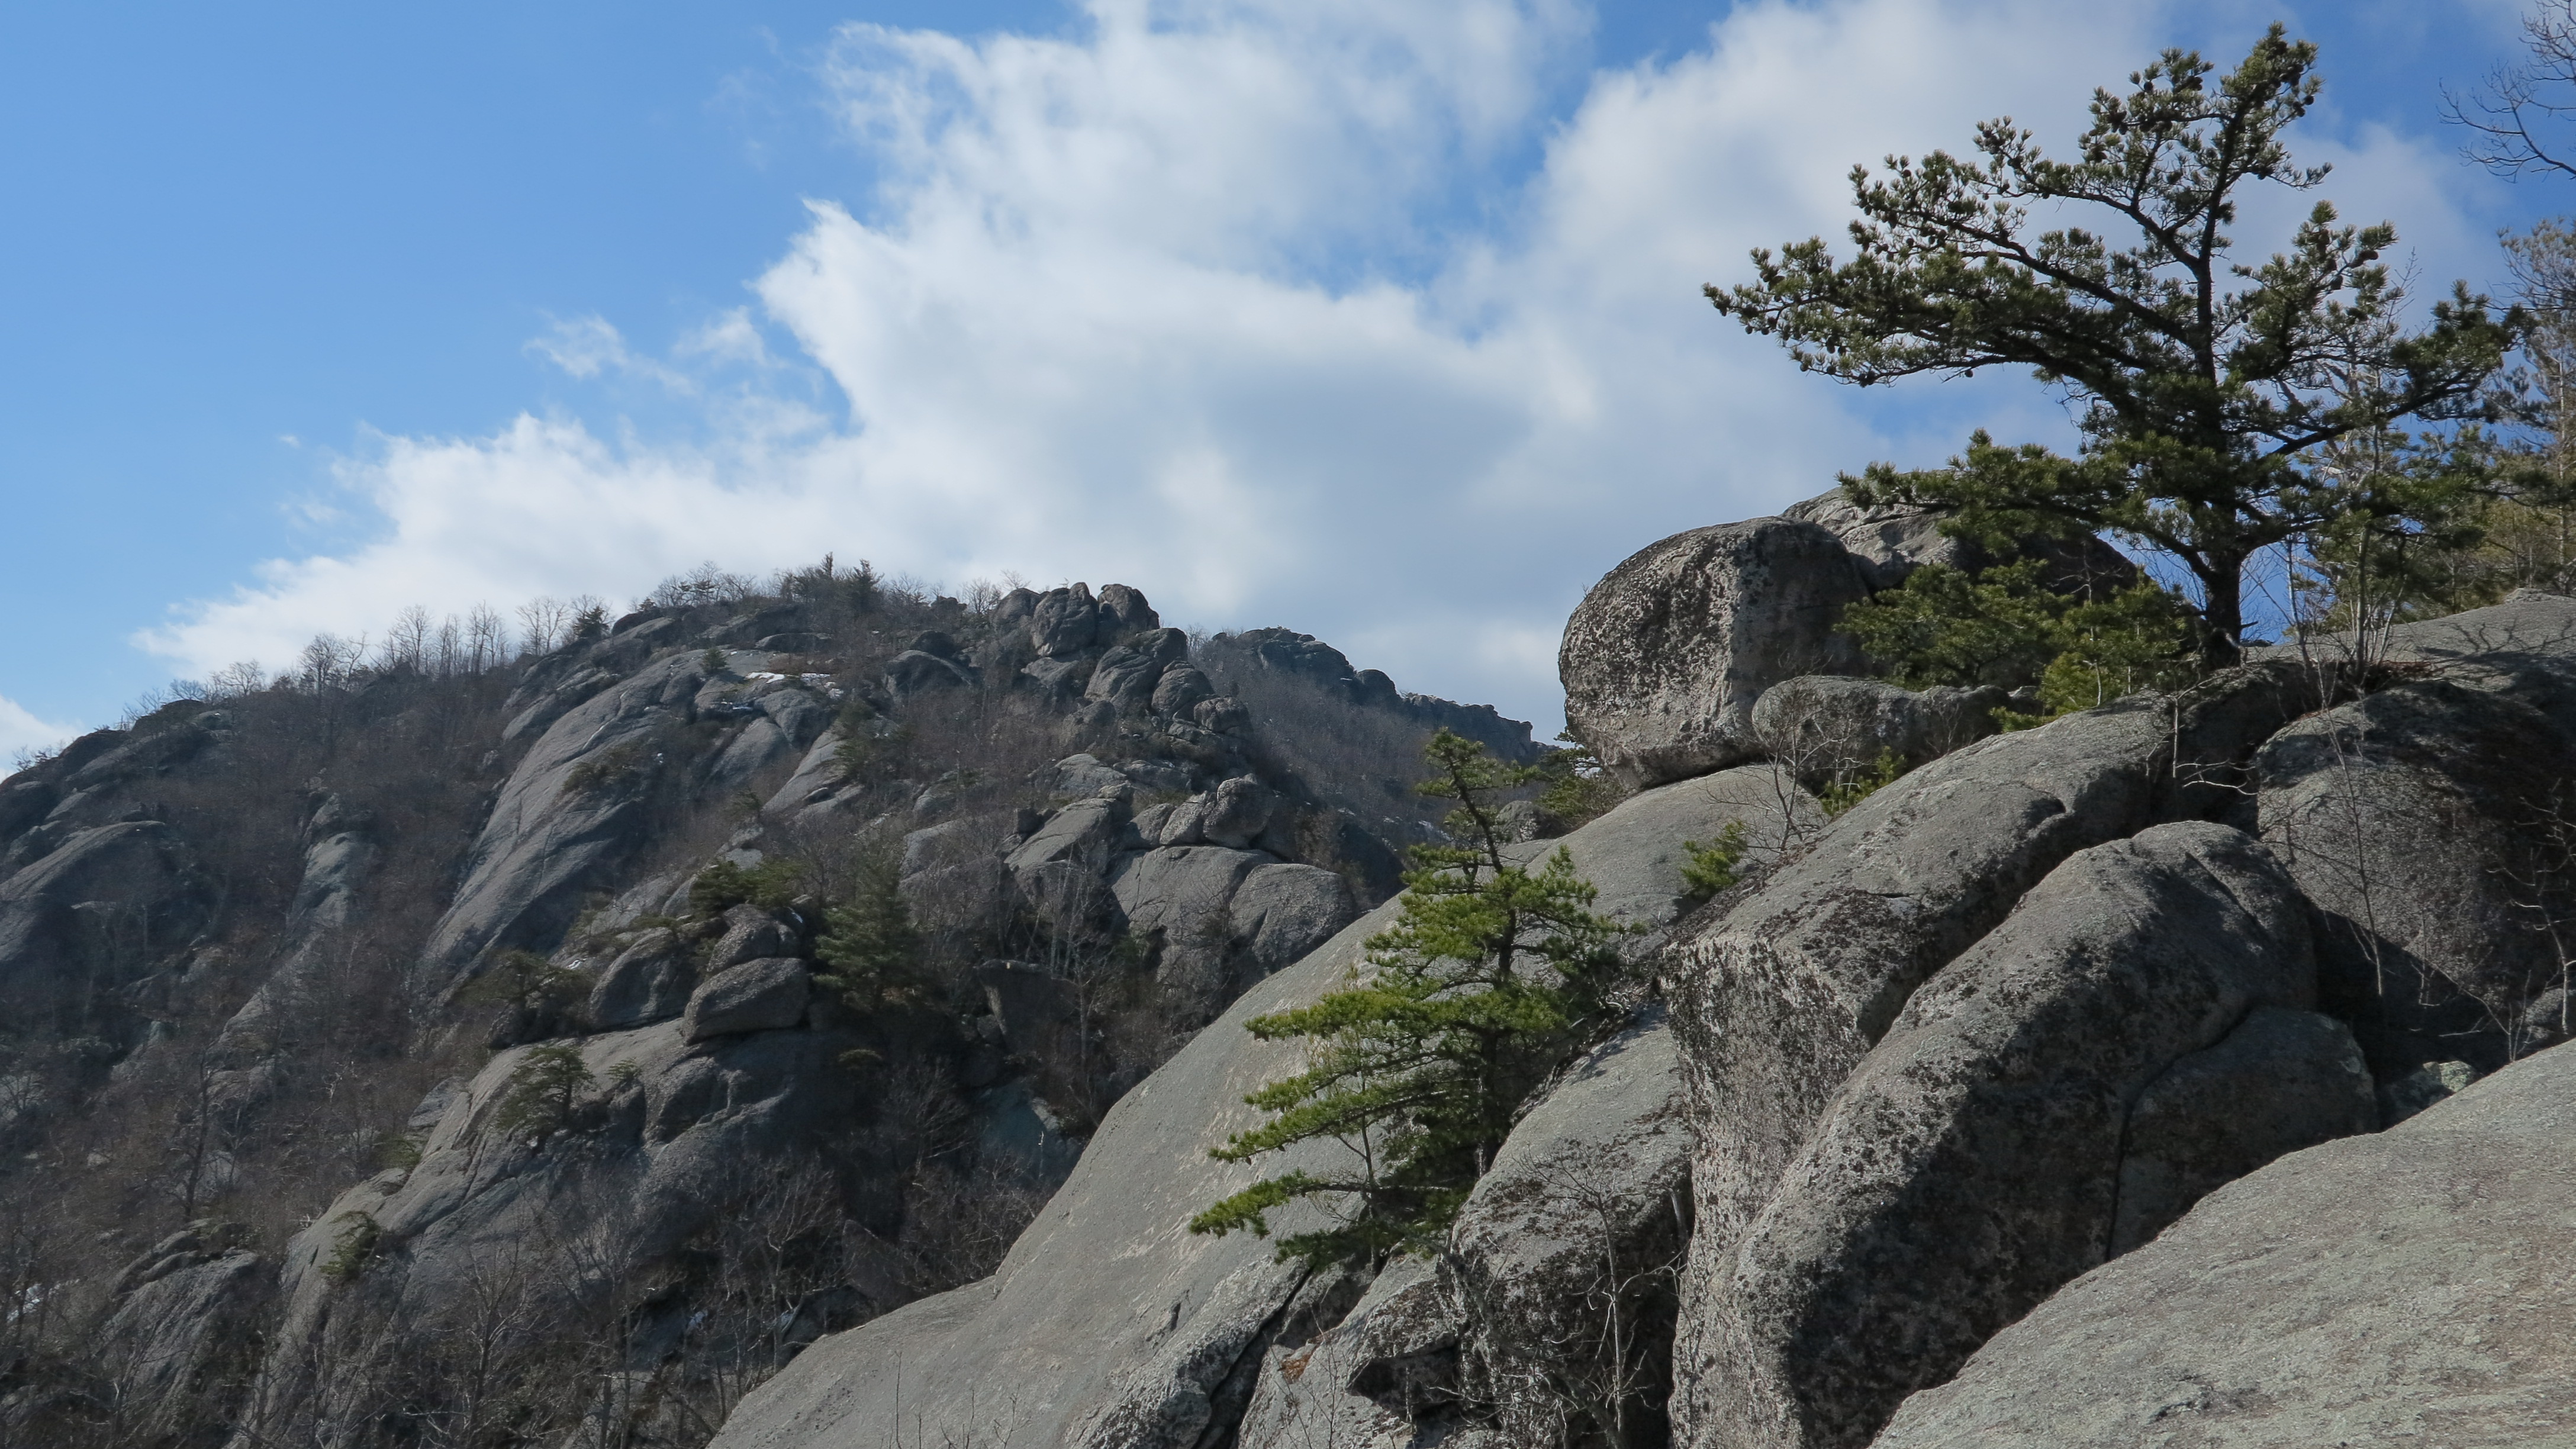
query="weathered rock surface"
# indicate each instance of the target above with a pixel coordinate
(764, 995)
(2399, 1288)
(1972, 1164)
(655, 1152)
(647, 982)
(1110, 1323)
(1780, 997)
(2433, 953)
(1821, 726)
(553, 835)
(183, 1340)
(2281, 1081)
(1557, 1282)
(90, 916)
(1664, 658)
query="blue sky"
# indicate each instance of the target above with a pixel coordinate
(1373, 319)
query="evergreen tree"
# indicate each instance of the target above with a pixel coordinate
(2209, 386)
(870, 942)
(1493, 974)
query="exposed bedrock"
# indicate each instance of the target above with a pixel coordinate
(1780, 997)
(2400, 1288)
(1110, 1324)
(1973, 1163)
(571, 812)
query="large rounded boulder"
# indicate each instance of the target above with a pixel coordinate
(1663, 660)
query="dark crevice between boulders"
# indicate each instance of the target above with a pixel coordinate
(1320, 1301)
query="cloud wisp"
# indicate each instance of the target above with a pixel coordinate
(1364, 318)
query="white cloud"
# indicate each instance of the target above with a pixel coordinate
(1266, 308)
(22, 730)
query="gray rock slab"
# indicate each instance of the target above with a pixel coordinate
(2281, 1081)
(764, 995)
(1107, 1306)
(1779, 994)
(2432, 952)
(1663, 659)
(1281, 912)
(545, 845)
(647, 982)
(180, 1347)
(1971, 1164)
(2401, 1288)
(1821, 726)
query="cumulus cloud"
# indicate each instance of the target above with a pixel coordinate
(1360, 316)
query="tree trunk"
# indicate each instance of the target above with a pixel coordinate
(2223, 586)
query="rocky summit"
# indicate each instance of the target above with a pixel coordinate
(803, 1018)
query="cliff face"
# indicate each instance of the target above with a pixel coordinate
(443, 1051)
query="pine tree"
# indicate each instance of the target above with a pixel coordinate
(2208, 387)
(1493, 974)
(870, 942)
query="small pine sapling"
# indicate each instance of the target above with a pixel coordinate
(1709, 870)
(1491, 977)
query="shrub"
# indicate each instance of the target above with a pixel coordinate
(353, 1248)
(543, 1088)
(1708, 870)
(770, 885)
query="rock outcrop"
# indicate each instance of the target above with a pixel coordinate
(1821, 727)
(1973, 1162)
(2396, 1288)
(1110, 1324)
(1663, 660)
(570, 813)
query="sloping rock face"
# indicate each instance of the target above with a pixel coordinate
(2437, 954)
(1783, 995)
(1110, 1324)
(570, 814)
(665, 1139)
(1664, 658)
(2400, 1288)
(91, 916)
(1972, 1164)
(184, 1336)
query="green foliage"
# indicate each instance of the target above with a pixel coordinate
(353, 1247)
(524, 981)
(608, 767)
(1946, 626)
(2210, 388)
(1578, 788)
(625, 1072)
(2138, 639)
(1708, 870)
(2003, 627)
(1490, 977)
(713, 661)
(1845, 791)
(542, 1090)
(869, 942)
(591, 622)
(770, 885)
(401, 1153)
